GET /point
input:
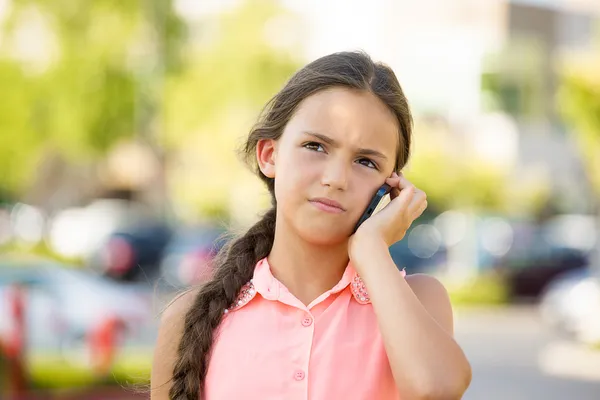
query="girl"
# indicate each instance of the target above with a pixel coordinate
(299, 307)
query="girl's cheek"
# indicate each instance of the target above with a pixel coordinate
(309, 161)
(310, 156)
(365, 190)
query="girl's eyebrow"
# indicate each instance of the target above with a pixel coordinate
(332, 142)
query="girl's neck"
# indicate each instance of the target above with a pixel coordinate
(305, 269)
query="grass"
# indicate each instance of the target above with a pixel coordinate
(50, 371)
(488, 290)
(40, 249)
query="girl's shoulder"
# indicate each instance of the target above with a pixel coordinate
(173, 314)
(434, 297)
(169, 335)
(179, 305)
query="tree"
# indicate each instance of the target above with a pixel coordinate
(230, 71)
(83, 92)
(579, 103)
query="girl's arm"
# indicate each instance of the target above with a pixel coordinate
(414, 314)
(165, 351)
(416, 324)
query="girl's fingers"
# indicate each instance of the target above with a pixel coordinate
(395, 191)
(419, 203)
(404, 183)
(405, 197)
(394, 182)
(409, 197)
(422, 206)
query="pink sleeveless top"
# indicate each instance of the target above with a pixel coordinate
(271, 346)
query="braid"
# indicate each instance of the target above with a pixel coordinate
(235, 268)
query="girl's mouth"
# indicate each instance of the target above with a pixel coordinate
(327, 205)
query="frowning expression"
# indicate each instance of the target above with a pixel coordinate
(335, 152)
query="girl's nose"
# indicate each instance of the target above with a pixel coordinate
(335, 175)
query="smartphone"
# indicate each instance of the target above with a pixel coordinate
(376, 203)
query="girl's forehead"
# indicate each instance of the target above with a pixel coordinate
(351, 115)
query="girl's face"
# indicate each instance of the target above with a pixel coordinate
(335, 152)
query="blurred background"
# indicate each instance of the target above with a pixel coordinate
(119, 123)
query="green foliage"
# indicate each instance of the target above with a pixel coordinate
(512, 82)
(113, 70)
(455, 176)
(465, 183)
(211, 106)
(235, 70)
(80, 98)
(20, 141)
(49, 371)
(488, 289)
(579, 103)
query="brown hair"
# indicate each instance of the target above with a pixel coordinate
(235, 264)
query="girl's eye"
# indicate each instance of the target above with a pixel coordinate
(314, 146)
(367, 163)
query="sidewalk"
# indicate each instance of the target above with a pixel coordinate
(570, 360)
(514, 356)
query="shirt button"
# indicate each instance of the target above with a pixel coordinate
(307, 321)
(299, 375)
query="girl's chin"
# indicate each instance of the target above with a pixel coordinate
(323, 235)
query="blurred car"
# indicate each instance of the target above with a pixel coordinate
(527, 277)
(79, 232)
(133, 253)
(189, 256)
(570, 305)
(556, 308)
(533, 261)
(78, 316)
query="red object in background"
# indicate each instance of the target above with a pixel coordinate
(103, 342)
(14, 346)
(118, 256)
(16, 340)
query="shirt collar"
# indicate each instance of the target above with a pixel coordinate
(264, 282)
(270, 288)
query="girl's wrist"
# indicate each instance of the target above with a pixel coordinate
(365, 245)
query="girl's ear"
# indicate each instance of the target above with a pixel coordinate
(265, 155)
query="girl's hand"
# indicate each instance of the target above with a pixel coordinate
(391, 223)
